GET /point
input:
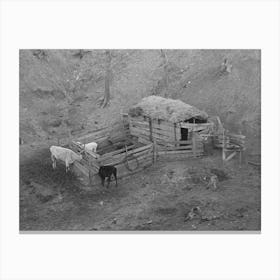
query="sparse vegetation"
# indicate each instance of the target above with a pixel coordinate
(68, 84)
(64, 93)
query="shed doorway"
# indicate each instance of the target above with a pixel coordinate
(184, 135)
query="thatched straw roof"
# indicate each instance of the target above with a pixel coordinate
(171, 110)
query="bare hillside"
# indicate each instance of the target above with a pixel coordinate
(60, 90)
(67, 93)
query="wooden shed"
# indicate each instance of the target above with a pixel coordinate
(169, 123)
(154, 128)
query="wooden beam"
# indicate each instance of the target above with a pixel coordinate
(224, 153)
(194, 143)
(117, 152)
(80, 168)
(151, 129)
(175, 136)
(156, 132)
(186, 142)
(230, 156)
(162, 125)
(134, 152)
(143, 140)
(200, 152)
(178, 148)
(200, 126)
(120, 160)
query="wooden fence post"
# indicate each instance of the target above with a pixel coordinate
(175, 136)
(151, 129)
(194, 143)
(224, 152)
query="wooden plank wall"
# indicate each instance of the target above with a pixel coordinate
(177, 155)
(197, 126)
(166, 142)
(117, 131)
(82, 172)
(135, 158)
(145, 156)
(140, 127)
(181, 147)
(163, 132)
(138, 158)
(97, 136)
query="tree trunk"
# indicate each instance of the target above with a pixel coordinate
(106, 98)
(165, 66)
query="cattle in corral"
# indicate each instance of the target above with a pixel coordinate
(89, 147)
(106, 172)
(64, 154)
(92, 146)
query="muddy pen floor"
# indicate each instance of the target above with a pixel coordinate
(171, 195)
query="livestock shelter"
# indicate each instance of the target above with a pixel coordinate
(154, 128)
(172, 124)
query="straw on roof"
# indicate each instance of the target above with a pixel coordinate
(161, 108)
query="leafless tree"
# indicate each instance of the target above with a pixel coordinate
(108, 73)
(165, 68)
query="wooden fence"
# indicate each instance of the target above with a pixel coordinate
(149, 130)
(115, 147)
(155, 140)
(183, 149)
(127, 161)
(133, 158)
(232, 145)
(113, 134)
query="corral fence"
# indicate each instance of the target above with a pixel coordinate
(119, 148)
(231, 145)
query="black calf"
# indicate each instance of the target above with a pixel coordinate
(106, 172)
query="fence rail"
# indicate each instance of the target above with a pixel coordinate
(132, 159)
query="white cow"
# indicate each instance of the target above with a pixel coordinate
(64, 154)
(92, 147)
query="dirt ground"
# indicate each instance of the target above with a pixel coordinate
(172, 195)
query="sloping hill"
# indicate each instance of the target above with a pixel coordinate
(59, 89)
